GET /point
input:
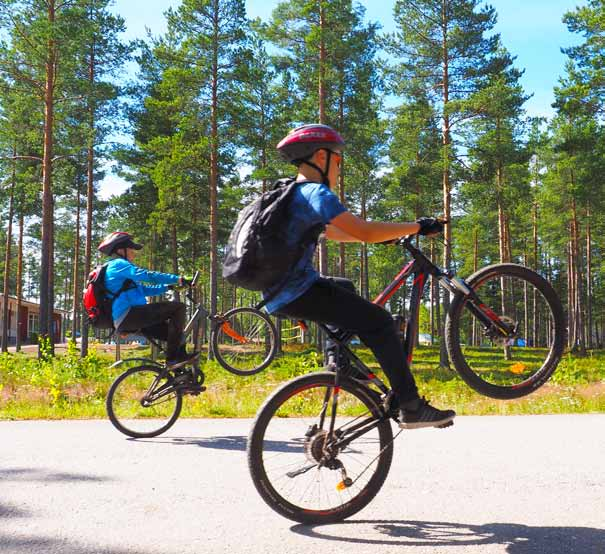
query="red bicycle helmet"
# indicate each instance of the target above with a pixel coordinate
(300, 143)
(116, 240)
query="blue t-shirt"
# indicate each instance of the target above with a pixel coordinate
(312, 204)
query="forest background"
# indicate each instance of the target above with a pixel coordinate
(433, 112)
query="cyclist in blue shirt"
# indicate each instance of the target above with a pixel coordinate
(317, 152)
(132, 284)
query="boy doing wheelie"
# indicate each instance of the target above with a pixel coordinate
(129, 285)
(317, 151)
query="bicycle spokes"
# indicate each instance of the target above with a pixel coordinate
(506, 330)
(309, 470)
(143, 401)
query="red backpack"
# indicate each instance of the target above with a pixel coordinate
(98, 299)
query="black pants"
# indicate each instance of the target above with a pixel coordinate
(161, 320)
(333, 301)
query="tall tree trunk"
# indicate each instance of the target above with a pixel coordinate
(7, 259)
(264, 133)
(76, 268)
(475, 330)
(19, 292)
(46, 263)
(364, 273)
(342, 268)
(589, 291)
(534, 300)
(90, 166)
(446, 145)
(323, 247)
(578, 283)
(214, 148)
(175, 256)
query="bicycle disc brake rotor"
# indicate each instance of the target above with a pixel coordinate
(496, 336)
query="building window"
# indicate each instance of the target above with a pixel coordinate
(33, 324)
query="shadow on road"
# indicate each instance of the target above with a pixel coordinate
(10, 511)
(518, 538)
(40, 475)
(29, 545)
(235, 442)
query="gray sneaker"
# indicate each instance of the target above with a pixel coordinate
(425, 416)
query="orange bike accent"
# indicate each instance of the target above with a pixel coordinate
(228, 330)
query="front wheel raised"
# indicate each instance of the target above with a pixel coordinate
(244, 341)
(511, 366)
(302, 469)
(143, 402)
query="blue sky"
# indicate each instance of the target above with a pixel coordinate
(532, 30)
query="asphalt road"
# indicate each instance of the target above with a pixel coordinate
(514, 485)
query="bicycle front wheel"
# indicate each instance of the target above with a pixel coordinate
(309, 471)
(244, 341)
(516, 365)
(143, 402)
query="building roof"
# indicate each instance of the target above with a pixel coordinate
(31, 304)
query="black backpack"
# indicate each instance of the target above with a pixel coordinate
(98, 299)
(258, 256)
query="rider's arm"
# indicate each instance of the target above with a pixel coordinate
(334, 233)
(372, 231)
(139, 275)
(154, 290)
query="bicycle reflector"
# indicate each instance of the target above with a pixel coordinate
(344, 484)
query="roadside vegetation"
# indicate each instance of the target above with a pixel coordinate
(69, 386)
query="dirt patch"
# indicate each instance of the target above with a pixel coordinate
(591, 390)
(33, 395)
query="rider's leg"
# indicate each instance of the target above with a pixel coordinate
(331, 347)
(161, 320)
(326, 302)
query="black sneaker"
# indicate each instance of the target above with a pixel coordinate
(425, 416)
(189, 383)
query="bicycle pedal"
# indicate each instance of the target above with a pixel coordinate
(443, 426)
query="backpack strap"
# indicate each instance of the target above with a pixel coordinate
(126, 285)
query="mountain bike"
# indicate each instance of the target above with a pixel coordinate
(321, 445)
(147, 398)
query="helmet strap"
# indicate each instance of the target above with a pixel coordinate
(323, 173)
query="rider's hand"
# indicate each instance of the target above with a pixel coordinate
(430, 226)
(184, 282)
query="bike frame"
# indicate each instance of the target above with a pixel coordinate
(421, 268)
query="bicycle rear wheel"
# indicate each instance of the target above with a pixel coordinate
(297, 464)
(244, 341)
(514, 366)
(143, 402)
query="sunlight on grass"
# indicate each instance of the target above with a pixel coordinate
(71, 388)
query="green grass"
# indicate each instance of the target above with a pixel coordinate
(68, 387)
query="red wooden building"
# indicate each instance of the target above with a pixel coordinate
(28, 323)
